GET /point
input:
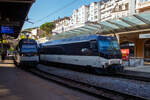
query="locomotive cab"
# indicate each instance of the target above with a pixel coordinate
(109, 50)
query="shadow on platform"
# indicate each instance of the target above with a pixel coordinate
(8, 79)
(6, 63)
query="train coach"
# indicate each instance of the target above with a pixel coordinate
(101, 53)
(27, 53)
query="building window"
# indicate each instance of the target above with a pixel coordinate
(95, 17)
(123, 7)
(127, 6)
(120, 7)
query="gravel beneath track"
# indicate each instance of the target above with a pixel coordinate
(132, 87)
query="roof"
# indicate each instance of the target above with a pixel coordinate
(130, 24)
(13, 13)
(61, 19)
(76, 39)
(18, 1)
(72, 39)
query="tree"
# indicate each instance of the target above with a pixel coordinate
(47, 28)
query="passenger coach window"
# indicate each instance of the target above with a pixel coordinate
(93, 45)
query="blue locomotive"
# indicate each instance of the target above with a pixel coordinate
(94, 51)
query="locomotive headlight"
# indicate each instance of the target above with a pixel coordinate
(120, 61)
(115, 61)
(109, 62)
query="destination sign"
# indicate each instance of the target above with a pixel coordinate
(7, 29)
(144, 36)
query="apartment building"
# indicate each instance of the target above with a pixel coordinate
(114, 9)
(143, 6)
(105, 10)
(34, 33)
(75, 16)
(94, 12)
(80, 15)
(61, 25)
(97, 12)
(86, 13)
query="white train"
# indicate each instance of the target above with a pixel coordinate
(97, 52)
(27, 53)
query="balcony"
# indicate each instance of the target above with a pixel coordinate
(142, 7)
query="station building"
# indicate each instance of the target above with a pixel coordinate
(132, 33)
(137, 41)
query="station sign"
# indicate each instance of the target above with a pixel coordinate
(144, 36)
(7, 29)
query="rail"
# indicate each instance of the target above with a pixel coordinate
(100, 92)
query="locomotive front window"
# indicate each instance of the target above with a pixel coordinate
(29, 48)
(108, 46)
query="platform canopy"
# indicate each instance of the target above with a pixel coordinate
(13, 14)
(131, 24)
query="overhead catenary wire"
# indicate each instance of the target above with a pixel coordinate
(56, 11)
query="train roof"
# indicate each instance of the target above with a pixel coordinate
(31, 40)
(72, 40)
(27, 41)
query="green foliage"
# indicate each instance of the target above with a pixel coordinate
(47, 29)
(44, 34)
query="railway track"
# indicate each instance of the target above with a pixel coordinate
(127, 76)
(99, 92)
(132, 77)
(123, 75)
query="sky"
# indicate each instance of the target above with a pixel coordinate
(48, 10)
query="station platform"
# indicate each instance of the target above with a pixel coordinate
(145, 68)
(16, 84)
(139, 71)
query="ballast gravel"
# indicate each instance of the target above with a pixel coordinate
(132, 87)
